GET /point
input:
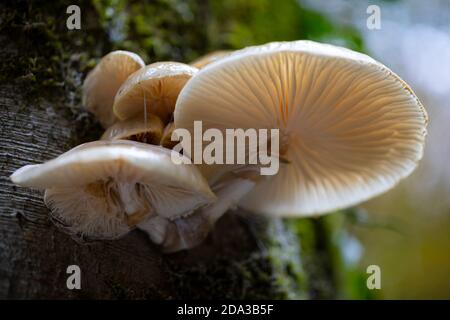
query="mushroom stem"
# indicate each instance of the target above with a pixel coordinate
(134, 205)
(229, 194)
(189, 231)
(166, 139)
(135, 218)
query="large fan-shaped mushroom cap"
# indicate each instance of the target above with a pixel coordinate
(349, 127)
(105, 79)
(102, 189)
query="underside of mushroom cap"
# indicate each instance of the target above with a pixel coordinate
(349, 127)
(100, 211)
(155, 88)
(102, 83)
(102, 189)
(147, 129)
(122, 160)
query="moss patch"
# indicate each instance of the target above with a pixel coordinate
(273, 270)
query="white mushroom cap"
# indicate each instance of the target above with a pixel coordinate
(140, 129)
(209, 58)
(102, 83)
(102, 189)
(349, 127)
(155, 87)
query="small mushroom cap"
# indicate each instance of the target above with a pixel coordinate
(208, 58)
(149, 130)
(160, 84)
(349, 127)
(102, 83)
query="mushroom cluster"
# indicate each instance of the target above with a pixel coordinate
(349, 128)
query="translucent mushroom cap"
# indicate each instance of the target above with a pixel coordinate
(155, 87)
(102, 83)
(102, 189)
(209, 58)
(349, 127)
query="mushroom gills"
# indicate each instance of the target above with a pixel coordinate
(101, 210)
(103, 189)
(350, 128)
(122, 207)
(143, 128)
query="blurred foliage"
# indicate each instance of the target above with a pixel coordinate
(337, 258)
(237, 24)
(184, 30)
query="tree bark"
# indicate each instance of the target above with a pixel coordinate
(42, 68)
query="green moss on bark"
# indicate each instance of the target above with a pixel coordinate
(271, 270)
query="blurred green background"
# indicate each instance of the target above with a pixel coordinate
(405, 231)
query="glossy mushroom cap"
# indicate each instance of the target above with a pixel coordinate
(102, 83)
(103, 189)
(209, 58)
(154, 88)
(349, 127)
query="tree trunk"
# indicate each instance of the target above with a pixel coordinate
(42, 68)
